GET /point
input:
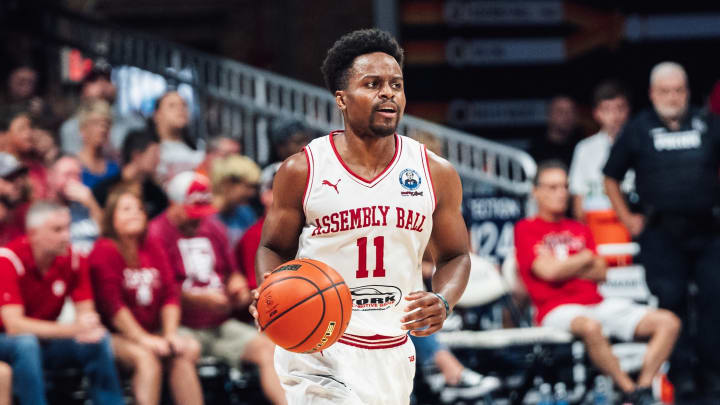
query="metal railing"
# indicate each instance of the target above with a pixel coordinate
(241, 101)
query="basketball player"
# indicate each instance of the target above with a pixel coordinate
(367, 201)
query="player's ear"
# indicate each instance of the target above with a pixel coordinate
(340, 99)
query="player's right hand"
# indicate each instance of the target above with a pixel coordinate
(253, 305)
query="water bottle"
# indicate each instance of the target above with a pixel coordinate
(546, 396)
(600, 396)
(561, 395)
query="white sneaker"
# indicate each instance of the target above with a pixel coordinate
(471, 385)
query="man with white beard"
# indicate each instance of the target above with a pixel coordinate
(675, 152)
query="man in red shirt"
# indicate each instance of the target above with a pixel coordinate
(213, 288)
(558, 263)
(37, 273)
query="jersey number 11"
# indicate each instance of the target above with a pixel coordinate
(362, 271)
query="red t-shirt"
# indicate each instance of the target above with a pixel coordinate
(202, 262)
(37, 175)
(144, 290)
(563, 238)
(246, 250)
(42, 295)
(14, 226)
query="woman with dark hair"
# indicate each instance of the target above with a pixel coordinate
(139, 302)
(170, 121)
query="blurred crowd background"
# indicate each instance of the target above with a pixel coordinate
(162, 105)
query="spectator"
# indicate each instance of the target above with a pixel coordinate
(14, 198)
(66, 188)
(38, 272)
(248, 245)
(178, 151)
(96, 85)
(289, 137)
(95, 118)
(590, 203)
(212, 285)
(140, 155)
(559, 266)
(16, 129)
(562, 133)
(675, 152)
(139, 302)
(22, 91)
(5, 384)
(234, 184)
(218, 147)
(45, 147)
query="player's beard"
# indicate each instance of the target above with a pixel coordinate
(380, 130)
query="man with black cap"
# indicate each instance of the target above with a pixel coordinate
(97, 85)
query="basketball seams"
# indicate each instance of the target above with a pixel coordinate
(320, 321)
(342, 308)
(319, 291)
(328, 312)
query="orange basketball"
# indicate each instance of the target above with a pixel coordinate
(304, 306)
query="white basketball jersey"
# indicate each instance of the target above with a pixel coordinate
(373, 232)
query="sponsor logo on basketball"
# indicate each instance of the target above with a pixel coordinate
(288, 267)
(410, 179)
(375, 297)
(326, 336)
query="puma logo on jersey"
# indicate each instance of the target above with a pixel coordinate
(327, 183)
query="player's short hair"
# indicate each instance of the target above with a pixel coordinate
(40, 211)
(608, 90)
(342, 54)
(547, 165)
(663, 68)
(137, 142)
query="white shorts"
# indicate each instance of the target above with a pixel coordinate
(347, 374)
(619, 317)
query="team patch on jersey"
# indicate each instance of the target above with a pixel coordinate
(410, 179)
(375, 297)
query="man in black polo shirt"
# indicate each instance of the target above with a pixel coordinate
(675, 152)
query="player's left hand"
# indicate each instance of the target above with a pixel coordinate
(427, 313)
